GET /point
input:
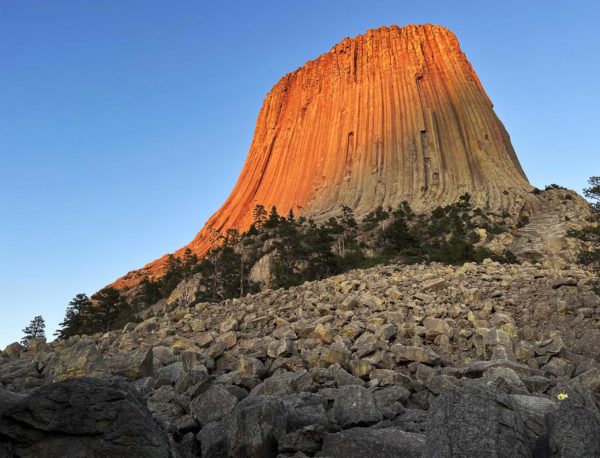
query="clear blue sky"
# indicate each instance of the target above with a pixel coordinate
(124, 124)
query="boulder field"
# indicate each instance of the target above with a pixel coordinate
(393, 361)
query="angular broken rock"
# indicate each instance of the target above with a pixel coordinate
(533, 410)
(131, 365)
(279, 348)
(373, 443)
(83, 417)
(412, 353)
(342, 377)
(435, 327)
(354, 405)
(284, 383)
(213, 440)
(216, 402)
(305, 409)
(498, 337)
(323, 333)
(559, 367)
(14, 350)
(589, 343)
(365, 344)
(551, 346)
(256, 426)
(229, 325)
(307, 440)
(435, 284)
(386, 331)
(475, 420)
(567, 281)
(81, 360)
(573, 432)
(389, 395)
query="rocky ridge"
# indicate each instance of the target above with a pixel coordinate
(389, 361)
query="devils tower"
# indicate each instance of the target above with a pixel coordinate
(395, 114)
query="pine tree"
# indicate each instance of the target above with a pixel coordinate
(259, 216)
(173, 275)
(232, 237)
(273, 220)
(227, 266)
(109, 310)
(591, 233)
(207, 269)
(321, 260)
(75, 317)
(379, 215)
(289, 254)
(349, 225)
(189, 261)
(291, 218)
(35, 330)
(593, 192)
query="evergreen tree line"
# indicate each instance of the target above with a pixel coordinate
(384, 235)
(300, 250)
(106, 310)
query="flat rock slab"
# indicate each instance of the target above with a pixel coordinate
(373, 443)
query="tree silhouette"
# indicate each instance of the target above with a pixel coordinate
(259, 215)
(35, 330)
(108, 311)
(591, 233)
(75, 317)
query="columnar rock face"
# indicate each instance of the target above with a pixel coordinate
(394, 114)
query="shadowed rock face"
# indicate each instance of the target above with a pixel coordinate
(80, 417)
(394, 114)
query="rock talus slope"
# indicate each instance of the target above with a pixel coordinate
(411, 361)
(394, 114)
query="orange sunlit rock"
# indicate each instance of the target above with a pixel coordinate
(394, 114)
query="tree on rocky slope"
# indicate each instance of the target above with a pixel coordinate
(174, 274)
(274, 219)
(188, 262)
(259, 216)
(108, 311)
(36, 329)
(75, 317)
(591, 233)
(289, 254)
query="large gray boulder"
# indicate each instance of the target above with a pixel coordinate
(373, 443)
(8, 400)
(573, 432)
(533, 410)
(256, 425)
(588, 343)
(83, 359)
(354, 405)
(283, 384)
(475, 420)
(133, 365)
(213, 440)
(82, 417)
(305, 409)
(216, 402)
